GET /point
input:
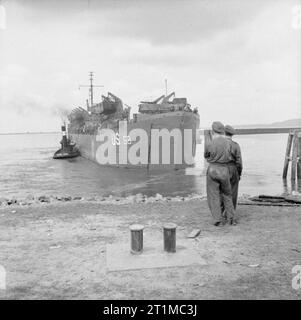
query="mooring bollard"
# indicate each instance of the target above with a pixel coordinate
(136, 238)
(169, 232)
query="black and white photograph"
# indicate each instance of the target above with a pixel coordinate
(150, 150)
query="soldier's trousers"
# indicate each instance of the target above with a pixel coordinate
(234, 180)
(219, 191)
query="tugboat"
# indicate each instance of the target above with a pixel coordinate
(68, 149)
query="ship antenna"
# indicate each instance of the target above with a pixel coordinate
(91, 86)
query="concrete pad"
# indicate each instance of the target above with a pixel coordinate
(119, 257)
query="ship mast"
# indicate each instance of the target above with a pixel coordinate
(90, 86)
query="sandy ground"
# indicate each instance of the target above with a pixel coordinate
(57, 251)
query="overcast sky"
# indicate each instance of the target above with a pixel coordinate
(237, 61)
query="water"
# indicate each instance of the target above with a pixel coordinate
(27, 167)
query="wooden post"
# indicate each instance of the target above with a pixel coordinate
(136, 238)
(294, 157)
(169, 231)
(298, 141)
(293, 185)
(287, 154)
(285, 187)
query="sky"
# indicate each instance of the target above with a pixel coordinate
(238, 61)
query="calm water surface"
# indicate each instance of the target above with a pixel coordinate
(27, 167)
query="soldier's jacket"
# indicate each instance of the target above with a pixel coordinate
(236, 156)
(218, 151)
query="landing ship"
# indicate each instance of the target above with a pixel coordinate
(165, 113)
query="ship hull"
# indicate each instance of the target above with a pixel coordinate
(90, 145)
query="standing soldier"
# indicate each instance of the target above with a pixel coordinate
(235, 166)
(218, 155)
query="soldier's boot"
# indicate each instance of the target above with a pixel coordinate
(232, 222)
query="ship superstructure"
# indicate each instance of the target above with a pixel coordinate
(167, 112)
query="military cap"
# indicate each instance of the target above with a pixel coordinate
(229, 130)
(218, 127)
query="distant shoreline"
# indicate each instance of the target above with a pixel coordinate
(287, 124)
(239, 130)
(15, 133)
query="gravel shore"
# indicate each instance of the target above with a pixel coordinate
(57, 251)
